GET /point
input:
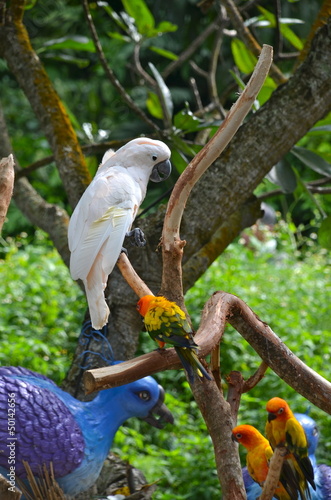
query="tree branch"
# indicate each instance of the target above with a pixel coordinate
(223, 308)
(16, 49)
(6, 186)
(49, 217)
(275, 467)
(172, 246)
(186, 54)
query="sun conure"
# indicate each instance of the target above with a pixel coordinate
(166, 323)
(259, 453)
(282, 428)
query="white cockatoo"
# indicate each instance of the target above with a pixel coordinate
(105, 213)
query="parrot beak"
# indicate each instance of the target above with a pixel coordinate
(160, 409)
(271, 416)
(161, 171)
(234, 439)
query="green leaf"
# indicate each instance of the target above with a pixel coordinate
(312, 160)
(166, 27)
(284, 29)
(118, 36)
(168, 106)
(244, 59)
(164, 53)
(179, 160)
(324, 233)
(185, 120)
(69, 42)
(283, 176)
(29, 4)
(154, 106)
(141, 14)
(77, 61)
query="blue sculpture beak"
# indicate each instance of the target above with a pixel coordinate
(159, 410)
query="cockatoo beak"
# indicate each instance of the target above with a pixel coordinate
(161, 171)
(162, 411)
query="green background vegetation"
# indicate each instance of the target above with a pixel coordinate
(41, 317)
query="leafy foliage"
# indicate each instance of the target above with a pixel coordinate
(41, 309)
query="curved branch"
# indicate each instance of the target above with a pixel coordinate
(171, 243)
(223, 308)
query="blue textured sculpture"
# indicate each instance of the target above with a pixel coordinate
(40, 423)
(322, 472)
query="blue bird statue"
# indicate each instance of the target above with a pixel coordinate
(322, 473)
(40, 423)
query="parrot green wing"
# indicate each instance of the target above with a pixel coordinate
(296, 443)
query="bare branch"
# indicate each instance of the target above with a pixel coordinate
(6, 186)
(223, 308)
(171, 243)
(139, 69)
(111, 75)
(255, 379)
(132, 278)
(191, 49)
(274, 471)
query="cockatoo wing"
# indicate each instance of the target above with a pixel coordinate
(100, 221)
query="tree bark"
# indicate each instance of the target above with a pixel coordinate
(22, 60)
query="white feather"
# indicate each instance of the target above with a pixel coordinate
(104, 215)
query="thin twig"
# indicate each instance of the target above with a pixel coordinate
(246, 36)
(110, 74)
(138, 67)
(186, 54)
(256, 377)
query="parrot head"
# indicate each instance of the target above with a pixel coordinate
(247, 435)
(149, 154)
(277, 408)
(143, 304)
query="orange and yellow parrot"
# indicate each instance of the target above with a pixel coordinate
(259, 453)
(167, 323)
(283, 429)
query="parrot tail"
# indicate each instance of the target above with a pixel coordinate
(95, 284)
(191, 363)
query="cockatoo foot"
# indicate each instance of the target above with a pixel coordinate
(137, 237)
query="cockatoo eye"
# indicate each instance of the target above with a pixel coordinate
(154, 157)
(144, 395)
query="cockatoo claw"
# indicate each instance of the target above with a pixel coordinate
(137, 237)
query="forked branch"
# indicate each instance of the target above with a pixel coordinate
(223, 308)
